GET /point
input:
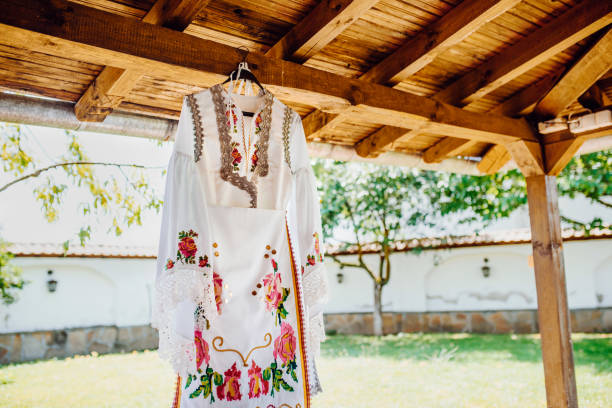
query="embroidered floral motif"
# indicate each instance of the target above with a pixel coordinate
(233, 122)
(254, 158)
(218, 283)
(169, 264)
(230, 389)
(312, 259)
(257, 385)
(201, 346)
(207, 378)
(274, 294)
(203, 261)
(187, 247)
(285, 344)
(236, 157)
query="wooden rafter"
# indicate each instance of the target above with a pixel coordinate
(64, 28)
(450, 29)
(585, 72)
(446, 147)
(522, 102)
(112, 85)
(324, 23)
(417, 52)
(571, 27)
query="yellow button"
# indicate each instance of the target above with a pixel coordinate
(268, 247)
(215, 245)
(216, 253)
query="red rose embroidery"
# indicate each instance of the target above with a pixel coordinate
(169, 264)
(285, 344)
(257, 384)
(218, 283)
(272, 290)
(201, 345)
(230, 389)
(203, 261)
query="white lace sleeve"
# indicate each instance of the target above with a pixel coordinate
(184, 296)
(309, 237)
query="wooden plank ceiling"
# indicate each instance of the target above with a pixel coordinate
(471, 59)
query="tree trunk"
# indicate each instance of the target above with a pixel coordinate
(377, 321)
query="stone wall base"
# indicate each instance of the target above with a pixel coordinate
(18, 347)
(508, 321)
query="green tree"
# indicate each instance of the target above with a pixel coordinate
(376, 205)
(122, 195)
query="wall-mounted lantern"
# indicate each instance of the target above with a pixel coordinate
(340, 277)
(51, 283)
(486, 269)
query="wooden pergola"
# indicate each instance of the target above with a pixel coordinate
(432, 78)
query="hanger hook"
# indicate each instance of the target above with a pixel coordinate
(245, 52)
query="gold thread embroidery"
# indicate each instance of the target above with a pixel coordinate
(286, 124)
(267, 339)
(225, 144)
(197, 125)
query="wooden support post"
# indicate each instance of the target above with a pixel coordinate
(553, 312)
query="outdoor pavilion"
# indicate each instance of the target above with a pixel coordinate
(452, 85)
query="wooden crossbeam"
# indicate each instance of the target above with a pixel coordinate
(494, 159)
(324, 23)
(583, 74)
(65, 28)
(112, 85)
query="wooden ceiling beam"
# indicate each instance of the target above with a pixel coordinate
(566, 30)
(495, 158)
(450, 29)
(324, 23)
(583, 74)
(113, 85)
(64, 28)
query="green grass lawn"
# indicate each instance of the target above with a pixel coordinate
(406, 370)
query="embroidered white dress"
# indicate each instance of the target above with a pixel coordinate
(240, 276)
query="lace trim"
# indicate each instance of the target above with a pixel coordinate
(286, 127)
(225, 139)
(315, 286)
(197, 126)
(170, 290)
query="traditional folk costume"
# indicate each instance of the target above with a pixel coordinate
(240, 277)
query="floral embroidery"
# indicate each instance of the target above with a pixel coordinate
(254, 158)
(169, 264)
(312, 259)
(257, 384)
(207, 378)
(285, 344)
(187, 247)
(274, 294)
(203, 261)
(218, 283)
(201, 345)
(234, 120)
(236, 157)
(230, 389)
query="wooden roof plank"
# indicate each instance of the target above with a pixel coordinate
(585, 72)
(111, 87)
(450, 29)
(572, 26)
(319, 28)
(414, 54)
(66, 28)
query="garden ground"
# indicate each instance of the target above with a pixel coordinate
(405, 370)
